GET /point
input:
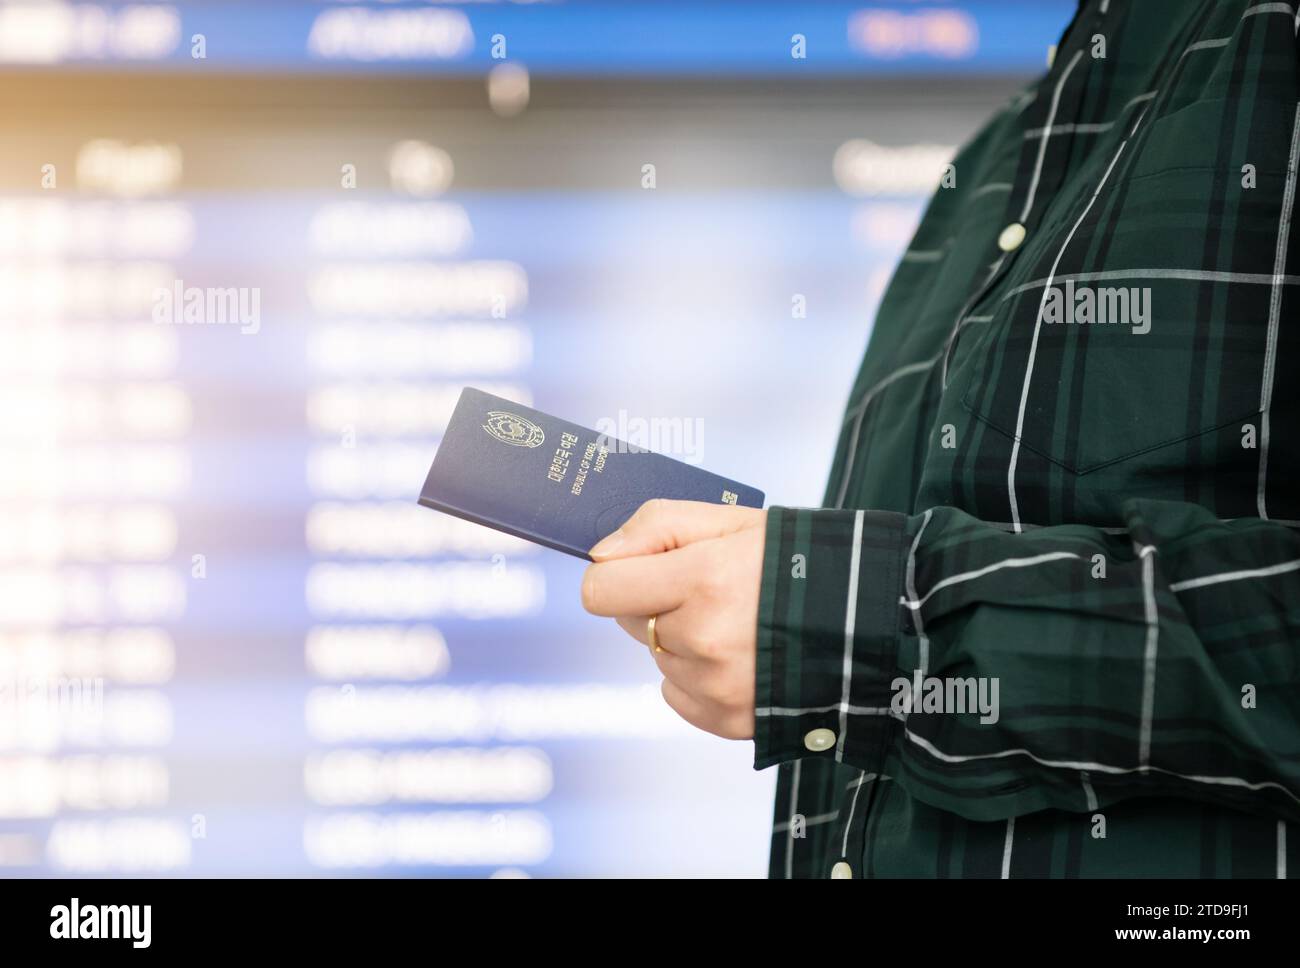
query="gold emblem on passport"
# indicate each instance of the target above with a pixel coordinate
(512, 429)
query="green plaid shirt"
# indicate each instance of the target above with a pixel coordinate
(1096, 518)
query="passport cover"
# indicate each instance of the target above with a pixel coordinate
(537, 477)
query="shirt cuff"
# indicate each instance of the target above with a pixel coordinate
(828, 632)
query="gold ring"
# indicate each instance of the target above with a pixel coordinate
(651, 636)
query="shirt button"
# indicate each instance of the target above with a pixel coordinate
(819, 739)
(841, 871)
(1011, 237)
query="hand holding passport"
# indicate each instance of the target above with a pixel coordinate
(682, 577)
(537, 477)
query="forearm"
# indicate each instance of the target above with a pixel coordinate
(1160, 661)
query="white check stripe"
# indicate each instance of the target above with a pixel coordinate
(1006, 848)
(1267, 8)
(1232, 781)
(856, 415)
(902, 371)
(1188, 275)
(964, 322)
(1152, 617)
(856, 786)
(850, 622)
(794, 809)
(915, 603)
(1281, 850)
(1091, 127)
(922, 639)
(961, 316)
(807, 821)
(1030, 526)
(853, 806)
(1139, 99)
(866, 778)
(1042, 146)
(924, 255)
(833, 707)
(1088, 791)
(1038, 325)
(1207, 45)
(1097, 127)
(1219, 579)
(1274, 314)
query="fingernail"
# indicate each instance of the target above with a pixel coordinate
(608, 544)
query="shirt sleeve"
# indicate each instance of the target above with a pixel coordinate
(1066, 667)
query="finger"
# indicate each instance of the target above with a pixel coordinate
(638, 626)
(668, 633)
(688, 707)
(708, 716)
(662, 525)
(682, 672)
(644, 585)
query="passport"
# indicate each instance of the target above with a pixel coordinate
(546, 480)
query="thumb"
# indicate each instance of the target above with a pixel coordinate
(662, 525)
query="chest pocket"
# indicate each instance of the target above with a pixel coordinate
(1156, 326)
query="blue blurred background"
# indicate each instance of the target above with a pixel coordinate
(230, 642)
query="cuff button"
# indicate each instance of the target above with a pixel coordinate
(819, 740)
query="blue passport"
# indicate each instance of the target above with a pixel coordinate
(537, 477)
